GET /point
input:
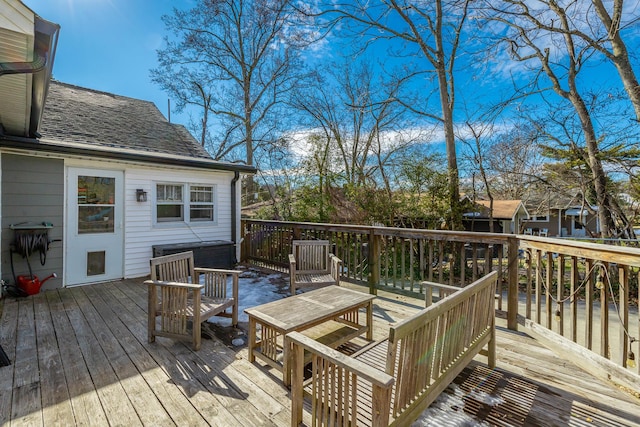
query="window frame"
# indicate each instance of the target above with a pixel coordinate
(186, 204)
(538, 218)
(199, 204)
(158, 203)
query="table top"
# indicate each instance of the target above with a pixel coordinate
(293, 313)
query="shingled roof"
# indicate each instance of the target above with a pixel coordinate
(502, 209)
(75, 114)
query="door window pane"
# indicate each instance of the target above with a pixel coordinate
(96, 204)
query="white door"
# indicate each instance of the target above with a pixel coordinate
(95, 229)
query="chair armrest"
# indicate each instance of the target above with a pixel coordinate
(173, 284)
(216, 270)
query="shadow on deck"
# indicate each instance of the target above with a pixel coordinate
(80, 356)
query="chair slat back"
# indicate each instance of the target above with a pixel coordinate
(312, 256)
(173, 310)
(215, 284)
(173, 268)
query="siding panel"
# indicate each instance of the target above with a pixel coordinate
(32, 191)
(140, 231)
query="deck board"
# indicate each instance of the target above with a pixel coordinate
(80, 357)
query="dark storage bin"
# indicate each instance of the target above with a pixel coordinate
(213, 254)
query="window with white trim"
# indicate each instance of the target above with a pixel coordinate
(538, 218)
(201, 203)
(170, 204)
(184, 202)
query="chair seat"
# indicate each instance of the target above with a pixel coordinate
(315, 278)
(208, 306)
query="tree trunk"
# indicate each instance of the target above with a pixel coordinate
(599, 178)
(446, 103)
(620, 57)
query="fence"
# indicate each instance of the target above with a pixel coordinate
(582, 291)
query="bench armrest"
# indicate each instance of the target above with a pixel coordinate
(336, 267)
(443, 291)
(357, 367)
(330, 372)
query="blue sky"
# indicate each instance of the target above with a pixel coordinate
(109, 45)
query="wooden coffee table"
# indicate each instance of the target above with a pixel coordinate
(329, 314)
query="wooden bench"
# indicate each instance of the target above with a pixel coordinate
(313, 265)
(176, 297)
(391, 382)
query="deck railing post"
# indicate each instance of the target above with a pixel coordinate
(512, 290)
(374, 261)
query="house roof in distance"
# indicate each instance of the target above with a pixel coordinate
(502, 209)
(79, 120)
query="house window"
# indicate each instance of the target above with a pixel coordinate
(201, 203)
(185, 202)
(538, 218)
(170, 204)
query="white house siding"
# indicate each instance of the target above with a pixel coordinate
(141, 232)
(16, 45)
(16, 17)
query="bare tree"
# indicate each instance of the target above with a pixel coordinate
(613, 23)
(431, 31)
(357, 116)
(235, 59)
(530, 41)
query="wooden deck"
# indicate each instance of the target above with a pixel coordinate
(80, 357)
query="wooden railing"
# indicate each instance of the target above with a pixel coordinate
(396, 259)
(550, 284)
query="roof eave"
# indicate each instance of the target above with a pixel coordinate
(32, 144)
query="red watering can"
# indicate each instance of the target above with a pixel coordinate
(31, 284)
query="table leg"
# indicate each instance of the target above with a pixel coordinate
(370, 321)
(286, 370)
(252, 338)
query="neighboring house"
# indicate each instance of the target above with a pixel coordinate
(104, 177)
(507, 215)
(568, 221)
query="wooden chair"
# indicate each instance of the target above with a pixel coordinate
(313, 265)
(177, 298)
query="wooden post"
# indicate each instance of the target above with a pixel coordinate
(529, 267)
(604, 312)
(623, 290)
(573, 301)
(374, 261)
(297, 372)
(560, 294)
(547, 291)
(588, 302)
(512, 295)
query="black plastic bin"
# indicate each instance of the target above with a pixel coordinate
(213, 254)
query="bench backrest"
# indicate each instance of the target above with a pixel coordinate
(173, 268)
(312, 256)
(429, 349)
(424, 354)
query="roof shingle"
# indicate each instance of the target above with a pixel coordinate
(75, 114)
